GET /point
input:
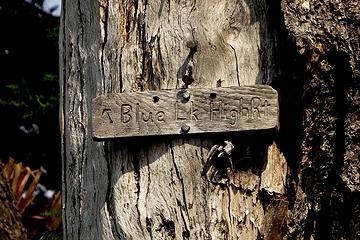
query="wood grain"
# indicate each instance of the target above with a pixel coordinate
(154, 188)
(185, 111)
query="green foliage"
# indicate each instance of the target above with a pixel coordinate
(28, 101)
(50, 235)
(52, 213)
(29, 61)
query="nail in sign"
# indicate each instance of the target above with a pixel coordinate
(185, 111)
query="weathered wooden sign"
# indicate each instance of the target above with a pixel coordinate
(185, 111)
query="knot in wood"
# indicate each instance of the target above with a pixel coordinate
(191, 44)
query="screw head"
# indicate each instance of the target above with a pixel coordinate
(186, 95)
(185, 128)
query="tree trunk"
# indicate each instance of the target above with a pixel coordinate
(11, 226)
(326, 204)
(178, 187)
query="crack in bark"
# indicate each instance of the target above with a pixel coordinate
(81, 20)
(161, 8)
(120, 72)
(105, 23)
(142, 37)
(237, 66)
(204, 192)
(193, 7)
(153, 76)
(82, 88)
(182, 188)
(229, 204)
(148, 220)
(136, 164)
(116, 232)
(108, 157)
(160, 59)
(64, 115)
(181, 74)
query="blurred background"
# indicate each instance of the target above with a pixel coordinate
(29, 108)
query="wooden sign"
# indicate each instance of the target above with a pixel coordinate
(185, 111)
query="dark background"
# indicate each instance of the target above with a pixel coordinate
(29, 88)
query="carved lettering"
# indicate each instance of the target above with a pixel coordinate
(252, 108)
(149, 117)
(140, 115)
(125, 113)
(206, 110)
(107, 111)
(177, 110)
(224, 110)
(255, 112)
(216, 107)
(137, 113)
(193, 112)
(259, 109)
(266, 106)
(160, 116)
(243, 109)
(233, 117)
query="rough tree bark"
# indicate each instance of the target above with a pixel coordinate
(176, 187)
(326, 204)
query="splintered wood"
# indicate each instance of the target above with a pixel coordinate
(185, 111)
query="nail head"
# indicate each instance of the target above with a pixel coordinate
(186, 94)
(191, 44)
(185, 128)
